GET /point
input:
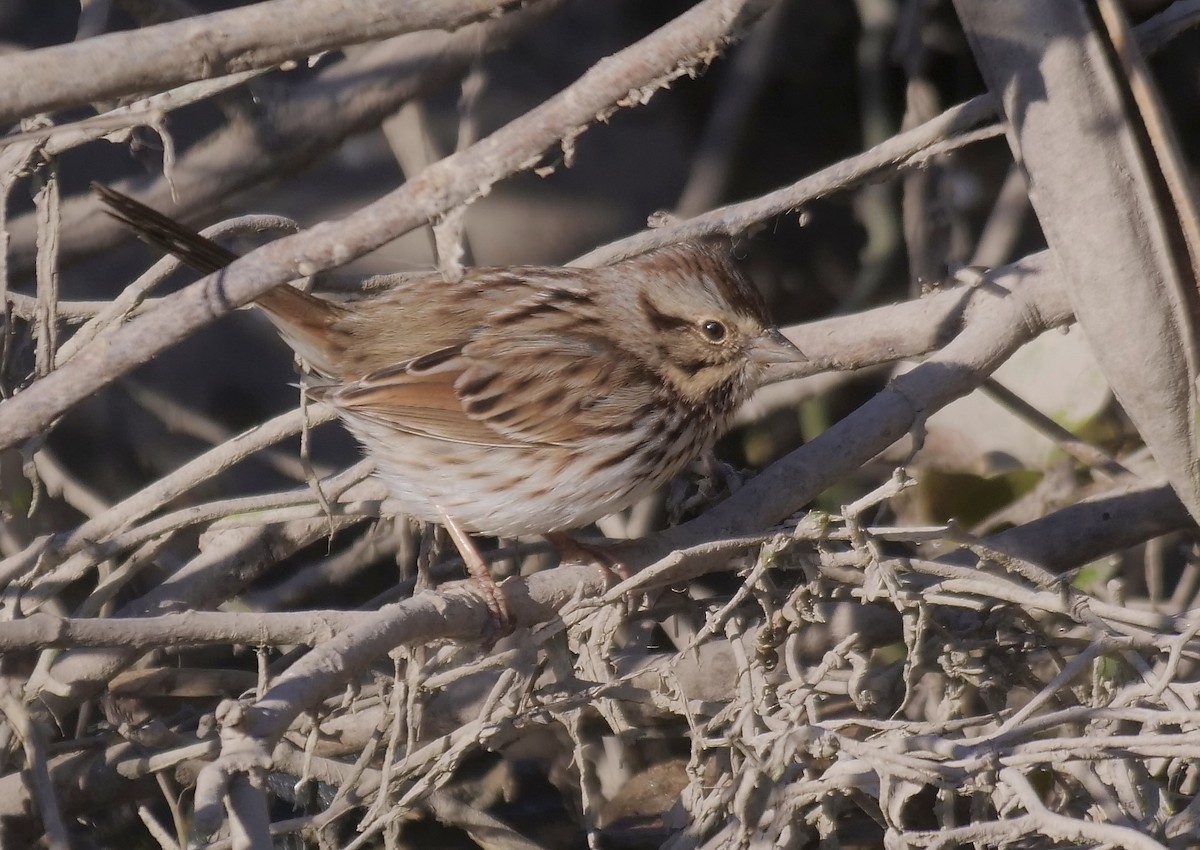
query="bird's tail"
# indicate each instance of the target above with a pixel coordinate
(304, 320)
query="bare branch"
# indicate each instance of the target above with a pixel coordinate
(212, 45)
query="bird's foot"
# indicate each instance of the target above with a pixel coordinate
(606, 557)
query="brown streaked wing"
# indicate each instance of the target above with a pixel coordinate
(422, 313)
(423, 405)
(561, 389)
(539, 392)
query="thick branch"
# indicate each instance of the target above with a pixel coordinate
(256, 36)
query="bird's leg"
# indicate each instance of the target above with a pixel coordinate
(478, 569)
(605, 558)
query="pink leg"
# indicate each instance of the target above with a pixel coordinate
(477, 568)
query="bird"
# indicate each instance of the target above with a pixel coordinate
(521, 400)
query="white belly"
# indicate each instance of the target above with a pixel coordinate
(513, 491)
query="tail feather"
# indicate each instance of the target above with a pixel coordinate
(303, 320)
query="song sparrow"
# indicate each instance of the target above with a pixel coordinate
(523, 400)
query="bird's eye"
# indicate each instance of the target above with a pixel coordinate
(713, 330)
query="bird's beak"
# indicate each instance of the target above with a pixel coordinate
(774, 347)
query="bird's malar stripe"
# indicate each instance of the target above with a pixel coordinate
(694, 367)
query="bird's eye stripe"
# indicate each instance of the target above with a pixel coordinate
(659, 320)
